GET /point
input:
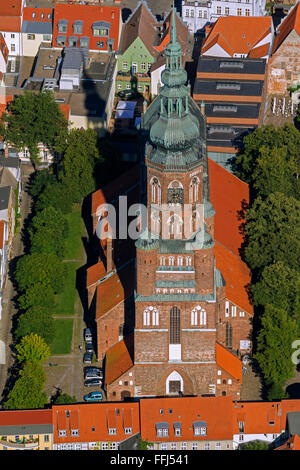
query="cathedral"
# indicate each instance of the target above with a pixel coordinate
(185, 293)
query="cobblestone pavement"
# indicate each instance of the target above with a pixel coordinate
(251, 387)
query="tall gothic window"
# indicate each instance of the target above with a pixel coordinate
(175, 325)
(155, 191)
(198, 316)
(175, 193)
(194, 189)
(151, 316)
(175, 225)
(228, 338)
(195, 222)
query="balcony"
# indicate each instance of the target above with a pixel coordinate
(140, 77)
(20, 444)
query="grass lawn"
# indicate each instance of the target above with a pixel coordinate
(63, 337)
(74, 248)
(66, 299)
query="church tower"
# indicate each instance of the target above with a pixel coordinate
(179, 291)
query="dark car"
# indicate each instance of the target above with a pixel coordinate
(87, 358)
(92, 382)
(89, 347)
(93, 374)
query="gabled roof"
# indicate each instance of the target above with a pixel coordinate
(92, 420)
(25, 417)
(258, 417)
(293, 443)
(229, 362)
(227, 194)
(237, 276)
(116, 288)
(214, 412)
(182, 33)
(141, 23)
(119, 359)
(290, 23)
(11, 8)
(239, 34)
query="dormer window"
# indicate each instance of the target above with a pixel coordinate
(128, 430)
(33, 15)
(74, 432)
(62, 26)
(101, 28)
(177, 429)
(162, 429)
(77, 27)
(199, 428)
(112, 431)
(62, 433)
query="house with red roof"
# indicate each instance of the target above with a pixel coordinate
(36, 29)
(239, 36)
(96, 426)
(3, 55)
(187, 423)
(284, 65)
(11, 19)
(26, 430)
(96, 27)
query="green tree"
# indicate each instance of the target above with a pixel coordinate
(276, 392)
(65, 399)
(37, 295)
(32, 348)
(273, 232)
(34, 369)
(36, 320)
(48, 231)
(39, 180)
(78, 162)
(254, 445)
(33, 119)
(275, 171)
(55, 195)
(26, 394)
(274, 345)
(280, 285)
(42, 268)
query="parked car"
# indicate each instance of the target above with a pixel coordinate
(93, 396)
(93, 372)
(87, 358)
(89, 347)
(92, 382)
(88, 335)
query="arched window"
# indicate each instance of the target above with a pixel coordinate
(162, 261)
(175, 193)
(155, 222)
(175, 224)
(180, 261)
(155, 191)
(198, 316)
(228, 338)
(151, 315)
(175, 325)
(174, 383)
(195, 222)
(171, 260)
(188, 261)
(194, 189)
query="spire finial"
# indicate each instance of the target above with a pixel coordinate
(173, 25)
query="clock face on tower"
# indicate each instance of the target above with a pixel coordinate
(175, 196)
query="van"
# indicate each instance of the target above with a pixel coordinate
(88, 335)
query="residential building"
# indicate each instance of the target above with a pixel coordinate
(36, 29)
(284, 64)
(3, 54)
(102, 426)
(181, 312)
(7, 212)
(187, 423)
(26, 430)
(232, 92)
(95, 27)
(198, 13)
(233, 36)
(11, 18)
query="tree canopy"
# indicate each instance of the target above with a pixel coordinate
(26, 394)
(36, 320)
(33, 119)
(32, 348)
(48, 231)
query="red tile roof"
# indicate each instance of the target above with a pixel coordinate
(181, 30)
(66, 110)
(293, 443)
(237, 276)
(10, 24)
(115, 289)
(89, 14)
(4, 102)
(227, 194)
(28, 11)
(216, 412)
(92, 421)
(11, 8)
(95, 273)
(290, 23)
(25, 417)
(229, 362)
(119, 359)
(258, 417)
(238, 34)
(2, 227)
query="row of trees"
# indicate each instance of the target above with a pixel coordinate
(270, 164)
(40, 273)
